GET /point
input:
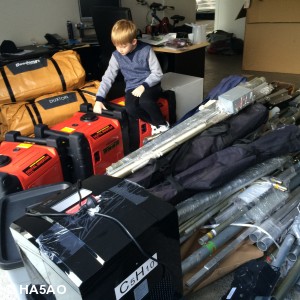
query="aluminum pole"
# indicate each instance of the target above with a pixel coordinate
(196, 204)
(288, 282)
(208, 249)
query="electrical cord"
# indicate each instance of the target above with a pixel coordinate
(90, 209)
(78, 187)
(84, 207)
(91, 204)
(129, 235)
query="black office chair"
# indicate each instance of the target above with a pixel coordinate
(104, 17)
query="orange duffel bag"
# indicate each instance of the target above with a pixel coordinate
(49, 109)
(28, 79)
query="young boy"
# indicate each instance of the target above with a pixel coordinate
(142, 73)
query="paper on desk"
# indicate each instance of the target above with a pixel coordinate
(158, 40)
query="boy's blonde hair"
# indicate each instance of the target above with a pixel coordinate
(123, 32)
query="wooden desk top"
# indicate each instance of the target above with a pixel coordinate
(182, 50)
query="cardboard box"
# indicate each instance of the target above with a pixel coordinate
(273, 11)
(272, 41)
(188, 91)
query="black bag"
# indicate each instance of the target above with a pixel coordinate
(222, 166)
(222, 42)
(211, 140)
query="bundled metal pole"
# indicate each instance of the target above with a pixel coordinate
(293, 234)
(242, 202)
(192, 222)
(257, 214)
(215, 261)
(219, 229)
(257, 202)
(290, 178)
(294, 253)
(288, 282)
(203, 119)
(272, 222)
(208, 249)
(200, 201)
(276, 231)
(249, 197)
(211, 212)
(264, 209)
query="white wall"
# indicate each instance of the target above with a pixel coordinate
(142, 15)
(225, 14)
(23, 21)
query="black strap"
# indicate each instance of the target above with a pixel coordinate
(88, 92)
(80, 92)
(179, 188)
(61, 76)
(8, 86)
(37, 113)
(30, 115)
(179, 154)
(215, 130)
(88, 85)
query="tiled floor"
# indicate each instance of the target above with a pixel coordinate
(7, 292)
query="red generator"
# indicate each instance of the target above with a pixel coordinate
(167, 106)
(103, 133)
(25, 165)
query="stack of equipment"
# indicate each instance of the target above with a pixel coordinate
(105, 134)
(122, 243)
(24, 166)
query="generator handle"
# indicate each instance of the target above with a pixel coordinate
(43, 131)
(15, 136)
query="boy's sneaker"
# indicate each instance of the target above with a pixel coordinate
(154, 130)
(163, 128)
(159, 129)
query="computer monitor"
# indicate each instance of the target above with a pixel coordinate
(85, 7)
(104, 18)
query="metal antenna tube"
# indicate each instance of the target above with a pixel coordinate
(248, 198)
(203, 119)
(208, 249)
(192, 221)
(284, 250)
(223, 216)
(288, 172)
(293, 201)
(288, 282)
(206, 217)
(231, 209)
(215, 261)
(294, 254)
(265, 242)
(214, 232)
(194, 205)
(184, 238)
(272, 200)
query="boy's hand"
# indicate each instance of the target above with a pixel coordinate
(137, 92)
(98, 107)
